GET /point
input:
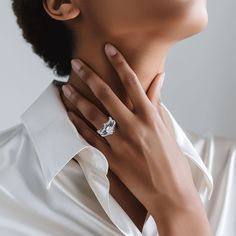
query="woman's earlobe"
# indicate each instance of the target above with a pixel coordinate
(61, 10)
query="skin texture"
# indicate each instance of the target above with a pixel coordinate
(143, 31)
(158, 176)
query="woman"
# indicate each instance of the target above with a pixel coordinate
(144, 31)
(148, 173)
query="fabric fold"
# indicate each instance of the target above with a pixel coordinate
(96, 167)
(44, 122)
(193, 157)
(95, 170)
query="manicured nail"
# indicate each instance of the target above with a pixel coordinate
(162, 79)
(76, 64)
(66, 90)
(110, 50)
(163, 74)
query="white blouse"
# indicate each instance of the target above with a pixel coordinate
(53, 182)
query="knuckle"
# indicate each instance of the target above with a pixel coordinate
(134, 130)
(131, 78)
(150, 117)
(82, 68)
(103, 92)
(87, 74)
(119, 60)
(74, 98)
(136, 135)
(90, 114)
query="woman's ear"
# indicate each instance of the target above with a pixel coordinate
(61, 9)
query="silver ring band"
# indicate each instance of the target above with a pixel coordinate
(108, 127)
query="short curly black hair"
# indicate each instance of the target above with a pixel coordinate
(52, 40)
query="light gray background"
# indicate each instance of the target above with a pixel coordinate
(200, 84)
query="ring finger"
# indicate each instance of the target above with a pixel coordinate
(88, 110)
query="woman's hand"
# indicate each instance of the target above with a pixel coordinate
(142, 152)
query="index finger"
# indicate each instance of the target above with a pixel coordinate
(112, 103)
(129, 78)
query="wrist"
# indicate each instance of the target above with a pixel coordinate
(184, 222)
(187, 218)
(163, 205)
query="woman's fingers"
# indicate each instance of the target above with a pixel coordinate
(128, 77)
(102, 91)
(89, 135)
(88, 109)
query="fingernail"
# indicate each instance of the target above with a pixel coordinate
(76, 64)
(66, 90)
(110, 50)
(162, 79)
(163, 74)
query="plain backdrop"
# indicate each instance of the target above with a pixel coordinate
(200, 83)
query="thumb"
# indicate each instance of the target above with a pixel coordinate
(154, 90)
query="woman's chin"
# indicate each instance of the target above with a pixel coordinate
(187, 20)
(199, 21)
(194, 22)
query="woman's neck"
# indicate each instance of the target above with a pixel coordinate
(146, 59)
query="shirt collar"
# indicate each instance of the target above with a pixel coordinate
(56, 140)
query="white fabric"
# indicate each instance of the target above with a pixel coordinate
(44, 192)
